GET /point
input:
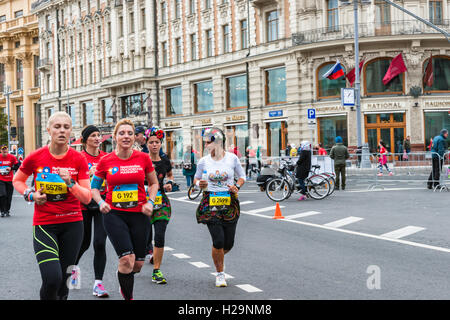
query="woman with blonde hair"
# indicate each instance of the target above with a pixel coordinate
(126, 207)
(61, 177)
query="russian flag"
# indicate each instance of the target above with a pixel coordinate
(335, 72)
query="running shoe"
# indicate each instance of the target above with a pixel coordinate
(220, 280)
(99, 291)
(7, 214)
(380, 174)
(150, 256)
(391, 174)
(302, 197)
(158, 277)
(3, 214)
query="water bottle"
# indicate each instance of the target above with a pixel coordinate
(448, 172)
(205, 176)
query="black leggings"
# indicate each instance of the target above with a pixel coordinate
(6, 193)
(99, 242)
(160, 234)
(128, 232)
(56, 247)
(222, 235)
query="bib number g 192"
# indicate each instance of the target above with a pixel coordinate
(125, 196)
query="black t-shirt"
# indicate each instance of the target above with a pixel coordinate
(162, 167)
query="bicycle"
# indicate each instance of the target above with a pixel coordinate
(281, 188)
(330, 176)
(194, 192)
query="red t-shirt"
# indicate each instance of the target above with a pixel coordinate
(125, 180)
(61, 205)
(93, 161)
(6, 162)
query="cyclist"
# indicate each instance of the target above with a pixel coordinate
(8, 164)
(303, 167)
(219, 207)
(162, 211)
(126, 208)
(91, 140)
(62, 181)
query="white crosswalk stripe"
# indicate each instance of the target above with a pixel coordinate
(343, 222)
(402, 232)
(302, 215)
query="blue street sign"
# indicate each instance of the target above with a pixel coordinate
(311, 113)
(277, 113)
(20, 150)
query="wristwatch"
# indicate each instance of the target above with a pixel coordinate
(71, 184)
(238, 186)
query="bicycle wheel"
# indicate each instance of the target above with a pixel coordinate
(278, 189)
(331, 181)
(317, 187)
(194, 192)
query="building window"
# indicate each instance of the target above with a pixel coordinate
(226, 38)
(71, 110)
(207, 4)
(48, 50)
(19, 74)
(99, 34)
(193, 46)
(131, 28)
(2, 18)
(89, 38)
(236, 91)
(277, 136)
(175, 145)
(191, 6)
(237, 139)
(275, 85)
(48, 24)
(2, 77)
(91, 73)
(81, 76)
(80, 41)
(244, 34)
(88, 113)
(100, 70)
(164, 54)
(37, 78)
(64, 78)
(142, 18)
(72, 77)
(331, 127)
(38, 125)
(203, 99)
(132, 105)
(434, 122)
(374, 72)
(441, 74)
(178, 49)
(163, 12)
(327, 88)
(436, 11)
(107, 110)
(108, 30)
(174, 105)
(18, 14)
(120, 26)
(177, 5)
(272, 25)
(332, 15)
(209, 43)
(20, 127)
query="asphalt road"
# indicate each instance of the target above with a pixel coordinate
(356, 244)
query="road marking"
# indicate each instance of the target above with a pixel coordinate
(181, 255)
(199, 264)
(246, 202)
(302, 215)
(385, 189)
(227, 276)
(168, 249)
(343, 222)
(263, 209)
(402, 232)
(248, 288)
(182, 198)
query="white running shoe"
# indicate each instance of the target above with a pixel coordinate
(220, 280)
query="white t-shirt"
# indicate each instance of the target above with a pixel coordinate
(220, 173)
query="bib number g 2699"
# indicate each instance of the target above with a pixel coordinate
(219, 201)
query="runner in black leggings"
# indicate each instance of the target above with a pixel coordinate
(62, 181)
(8, 164)
(91, 139)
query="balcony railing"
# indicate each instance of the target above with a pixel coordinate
(45, 64)
(347, 31)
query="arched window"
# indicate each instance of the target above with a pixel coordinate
(441, 74)
(374, 72)
(327, 88)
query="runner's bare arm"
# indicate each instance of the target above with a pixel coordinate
(153, 184)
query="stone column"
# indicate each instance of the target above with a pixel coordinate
(28, 124)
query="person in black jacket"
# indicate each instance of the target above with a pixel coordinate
(303, 167)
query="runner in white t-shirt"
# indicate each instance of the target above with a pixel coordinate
(219, 207)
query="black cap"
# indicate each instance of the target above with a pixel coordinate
(139, 129)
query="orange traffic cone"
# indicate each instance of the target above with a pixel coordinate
(278, 214)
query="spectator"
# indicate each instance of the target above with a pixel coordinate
(288, 150)
(140, 143)
(437, 154)
(293, 152)
(303, 167)
(189, 165)
(430, 145)
(322, 151)
(339, 153)
(406, 148)
(358, 155)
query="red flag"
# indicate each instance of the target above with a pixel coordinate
(396, 67)
(351, 74)
(428, 77)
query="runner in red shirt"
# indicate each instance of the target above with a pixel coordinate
(61, 178)
(126, 207)
(91, 140)
(8, 164)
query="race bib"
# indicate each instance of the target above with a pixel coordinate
(4, 170)
(53, 186)
(158, 199)
(219, 201)
(125, 196)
